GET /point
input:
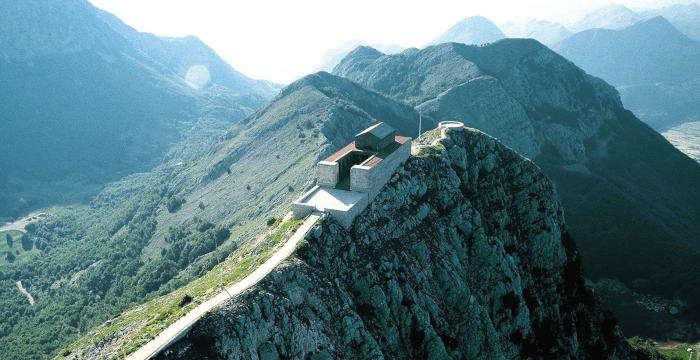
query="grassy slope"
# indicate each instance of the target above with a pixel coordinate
(127, 331)
(21, 254)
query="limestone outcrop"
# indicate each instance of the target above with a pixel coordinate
(464, 254)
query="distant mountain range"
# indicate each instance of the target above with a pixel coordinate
(477, 29)
(685, 17)
(89, 99)
(630, 197)
(613, 16)
(652, 60)
(654, 66)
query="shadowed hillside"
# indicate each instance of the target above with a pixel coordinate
(86, 101)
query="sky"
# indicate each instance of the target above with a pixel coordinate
(282, 40)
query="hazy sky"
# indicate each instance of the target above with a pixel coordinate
(283, 40)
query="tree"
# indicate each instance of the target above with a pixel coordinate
(27, 243)
(9, 257)
(222, 233)
(174, 203)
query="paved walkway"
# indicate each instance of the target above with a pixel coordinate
(179, 328)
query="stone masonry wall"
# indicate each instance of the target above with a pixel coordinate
(328, 173)
(372, 180)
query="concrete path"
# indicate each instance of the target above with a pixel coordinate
(179, 328)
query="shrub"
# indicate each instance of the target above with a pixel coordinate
(174, 203)
(222, 234)
(271, 221)
(201, 205)
(205, 226)
(185, 300)
(9, 257)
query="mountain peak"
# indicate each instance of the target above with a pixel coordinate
(364, 51)
(472, 30)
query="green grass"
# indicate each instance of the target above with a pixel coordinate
(139, 325)
(425, 141)
(21, 255)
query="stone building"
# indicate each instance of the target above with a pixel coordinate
(350, 178)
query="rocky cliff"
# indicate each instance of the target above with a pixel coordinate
(631, 198)
(464, 254)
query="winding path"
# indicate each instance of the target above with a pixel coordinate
(179, 328)
(416, 149)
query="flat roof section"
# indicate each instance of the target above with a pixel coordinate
(332, 199)
(378, 157)
(380, 130)
(351, 147)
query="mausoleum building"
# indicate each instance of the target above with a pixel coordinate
(349, 179)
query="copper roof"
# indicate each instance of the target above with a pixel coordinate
(338, 154)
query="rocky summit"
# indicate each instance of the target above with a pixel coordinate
(630, 197)
(464, 254)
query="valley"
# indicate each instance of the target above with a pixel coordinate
(685, 137)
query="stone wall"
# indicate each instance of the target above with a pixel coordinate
(372, 180)
(346, 218)
(328, 173)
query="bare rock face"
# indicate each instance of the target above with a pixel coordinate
(464, 254)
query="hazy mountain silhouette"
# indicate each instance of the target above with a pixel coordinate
(472, 30)
(654, 66)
